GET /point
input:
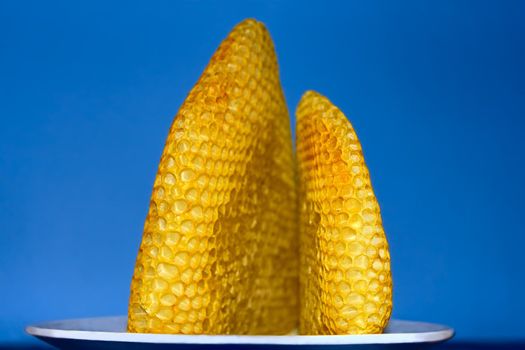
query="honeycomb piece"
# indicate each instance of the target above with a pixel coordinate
(219, 253)
(345, 281)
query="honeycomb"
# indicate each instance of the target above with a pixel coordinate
(345, 280)
(219, 252)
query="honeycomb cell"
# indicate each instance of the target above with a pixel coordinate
(338, 205)
(219, 253)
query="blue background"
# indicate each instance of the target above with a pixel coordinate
(435, 90)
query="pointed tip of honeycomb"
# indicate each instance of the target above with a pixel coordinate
(248, 41)
(251, 23)
(312, 97)
(308, 94)
(314, 104)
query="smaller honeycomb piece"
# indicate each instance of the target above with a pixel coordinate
(219, 248)
(345, 279)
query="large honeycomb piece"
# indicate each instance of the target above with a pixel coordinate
(219, 248)
(345, 281)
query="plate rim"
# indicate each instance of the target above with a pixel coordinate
(43, 330)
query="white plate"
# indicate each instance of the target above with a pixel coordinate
(110, 333)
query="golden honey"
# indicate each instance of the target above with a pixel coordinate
(219, 248)
(345, 280)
